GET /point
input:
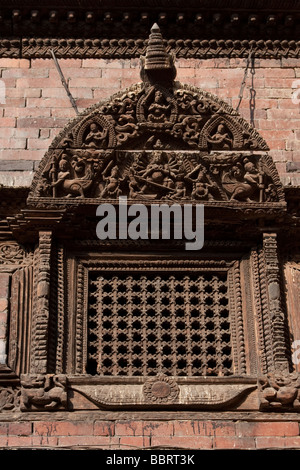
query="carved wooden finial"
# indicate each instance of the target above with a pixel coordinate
(157, 65)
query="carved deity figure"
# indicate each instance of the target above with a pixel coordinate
(201, 185)
(112, 182)
(251, 182)
(179, 191)
(76, 182)
(221, 139)
(96, 137)
(157, 173)
(158, 109)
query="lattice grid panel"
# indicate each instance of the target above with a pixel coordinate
(143, 324)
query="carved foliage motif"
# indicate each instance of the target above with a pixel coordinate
(11, 253)
(161, 389)
(9, 398)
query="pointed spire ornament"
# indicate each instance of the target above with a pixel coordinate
(157, 65)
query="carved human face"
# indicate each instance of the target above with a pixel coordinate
(93, 127)
(63, 165)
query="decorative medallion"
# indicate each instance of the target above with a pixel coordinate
(161, 389)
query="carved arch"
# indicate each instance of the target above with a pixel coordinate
(117, 142)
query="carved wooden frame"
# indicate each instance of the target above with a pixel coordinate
(50, 366)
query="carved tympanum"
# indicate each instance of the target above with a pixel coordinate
(158, 139)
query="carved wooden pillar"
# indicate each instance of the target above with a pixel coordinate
(4, 289)
(41, 305)
(277, 315)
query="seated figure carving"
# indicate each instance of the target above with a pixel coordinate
(221, 139)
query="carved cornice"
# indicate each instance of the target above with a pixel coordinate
(192, 29)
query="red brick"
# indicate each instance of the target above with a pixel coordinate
(19, 441)
(104, 93)
(26, 73)
(25, 133)
(3, 441)
(184, 442)
(49, 63)
(44, 441)
(102, 63)
(274, 93)
(13, 103)
(19, 154)
(286, 103)
(28, 82)
(276, 134)
(132, 442)
(83, 103)
(64, 428)
(37, 143)
(53, 93)
(7, 122)
(268, 428)
(87, 441)
(13, 143)
(48, 103)
(222, 442)
(3, 429)
(6, 132)
(76, 73)
(126, 83)
(104, 428)
(41, 122)
(277, 442)
(23, 92)
(9, 63)
(27, 112)
(266, 63)
(290, 62)
(281, 73)
(129, 428)
(158, 428)
(114, 74)
(279, 83)
(88, 82)
(66, 113)
(19, 429)
(10, 82)
(203, 428)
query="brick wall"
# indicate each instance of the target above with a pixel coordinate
(127, 434)
(37, 106)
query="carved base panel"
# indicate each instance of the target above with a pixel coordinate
(164, 393)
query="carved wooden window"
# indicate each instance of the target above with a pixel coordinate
(141, 324)
(144, 323)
